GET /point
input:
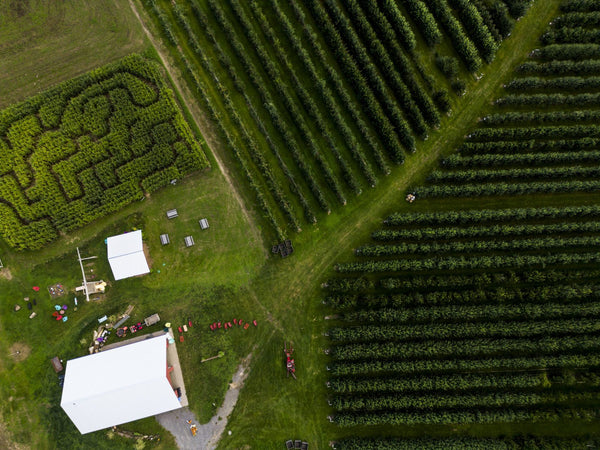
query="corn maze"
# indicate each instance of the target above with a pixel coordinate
(88, 147)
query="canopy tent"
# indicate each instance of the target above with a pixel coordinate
(118, 385)
(126, 255)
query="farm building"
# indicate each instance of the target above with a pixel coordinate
(126, 255)
(119, 385)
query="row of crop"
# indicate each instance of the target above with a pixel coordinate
(198, 84)
(576, 35)
(561, 67)
(431, 282)
(465, 297)
(498, 278)
(468, 263)
(386, 64)
(547, 132)
(465, 330)
(369, 68)
(541, 117)
(478, 246)
(573, 52)
(470, 348)
(577, 19)
(274, 113)
(462, 44)
(326, 95)
(450, 382)
(533, 362)
(564, 83)
(467, 443)
(401, 61)
(529, 145)
(491, 231)
(500, 188)
(494, 175)
(306, 99)
(424, 20)
(432, 402)
(471, 216)
(529, 277)
(365, 302)
(546, 100)
(388, 18)
(579, 5)
(358, 81)
(338, 85)
(520, 159)
(283, 91)
(465, 417)
(477, 312)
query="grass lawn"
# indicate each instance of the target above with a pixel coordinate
(44, 42)
(226, 275)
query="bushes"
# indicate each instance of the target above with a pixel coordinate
(462, 44)
(425, 21)
(476, 28)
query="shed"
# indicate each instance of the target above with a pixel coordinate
(189, 241)
(204, 224)
(118, 385)
(126, 255)
(56, 364)
(151, 320)
(164, 239)
(172, 213)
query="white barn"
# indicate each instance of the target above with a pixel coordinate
(126, 255)
(118, 385)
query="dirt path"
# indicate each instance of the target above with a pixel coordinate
(207, 435)
(199, 118)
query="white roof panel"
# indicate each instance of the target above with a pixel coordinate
(126, 255)
(124, 244)
(118, 385)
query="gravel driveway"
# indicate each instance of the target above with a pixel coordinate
(207, 435)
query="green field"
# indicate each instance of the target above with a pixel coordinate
(46, 42)
(230, 272)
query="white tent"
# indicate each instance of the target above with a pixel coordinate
(118, 385)
(126, 255)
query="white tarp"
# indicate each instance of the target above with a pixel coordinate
(126, 255)
(118, 385)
